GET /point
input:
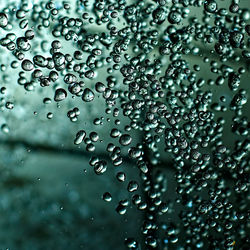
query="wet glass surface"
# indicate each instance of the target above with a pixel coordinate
(124, 124)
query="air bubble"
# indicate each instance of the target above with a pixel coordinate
(132, 186)
(27, 65)
(58, 58)
(107, 197)
(174, 17)
(210, 6)
(100, 167)
(121, 176)
(88, 95)
(5, 128)
(60, 95)
(79, 137)
(3, 20)
(121, 209)
(9, 105)
(40, 61)
(125, 140)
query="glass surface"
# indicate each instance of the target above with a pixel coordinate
(124, 124)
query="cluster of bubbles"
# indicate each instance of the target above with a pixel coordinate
(143, 51)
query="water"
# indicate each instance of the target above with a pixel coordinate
(154, 94)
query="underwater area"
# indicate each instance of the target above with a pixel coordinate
(124, 124)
